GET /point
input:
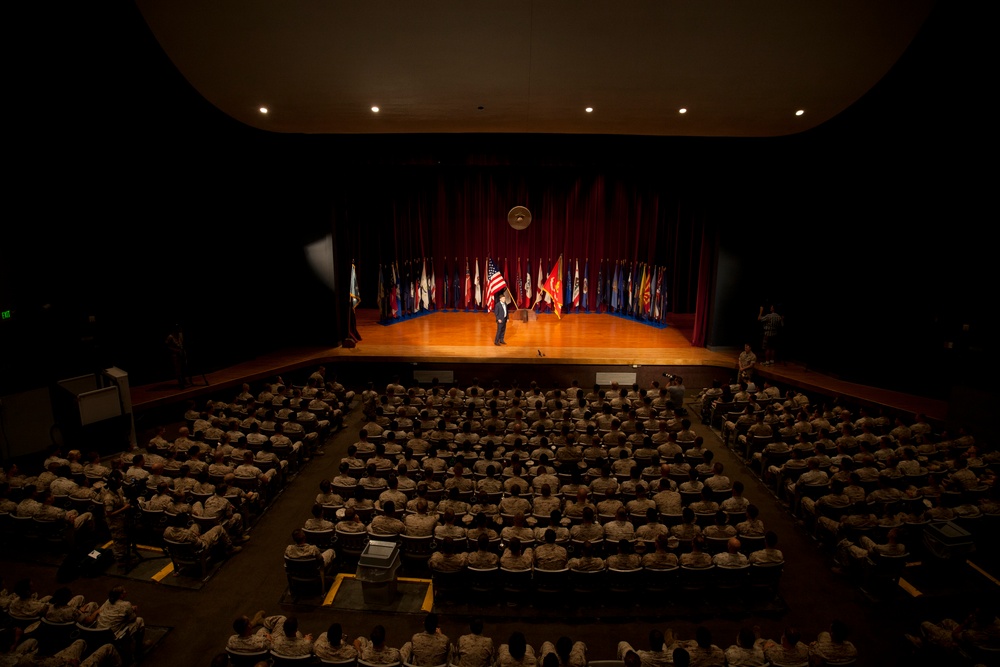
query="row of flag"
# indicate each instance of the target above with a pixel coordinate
(634, 289)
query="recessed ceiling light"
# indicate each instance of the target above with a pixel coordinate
(374, 109)
(800, 112)
(682, 110)
(589, 109)
(263, 110)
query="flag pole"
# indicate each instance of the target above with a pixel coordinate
(510, 297)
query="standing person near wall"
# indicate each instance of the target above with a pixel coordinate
(771, 323)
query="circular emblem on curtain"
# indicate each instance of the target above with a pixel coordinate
(519, 217)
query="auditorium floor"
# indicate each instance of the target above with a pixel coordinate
(254, 579)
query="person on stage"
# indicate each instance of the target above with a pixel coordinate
(500, 310)
(178, 355)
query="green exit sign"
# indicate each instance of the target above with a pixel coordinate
(4, 314)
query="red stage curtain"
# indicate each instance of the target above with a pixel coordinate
(457, 213)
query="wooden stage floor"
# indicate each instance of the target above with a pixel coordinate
(463, 338)
(589, 339)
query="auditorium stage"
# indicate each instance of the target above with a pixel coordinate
(588, 339)
(576, 346)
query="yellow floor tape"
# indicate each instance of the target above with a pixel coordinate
(983, 572)
(428, 604)
(328, 600)
(145, 547)
(909, 588)
(163, 573)
(332, 593)
(141, 547)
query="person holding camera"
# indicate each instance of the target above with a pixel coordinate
(676, 391)
(116, 508)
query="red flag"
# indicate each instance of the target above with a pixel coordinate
(527, 284)
(393, 293)
(468, 285)
(647, 294)
(554, 288)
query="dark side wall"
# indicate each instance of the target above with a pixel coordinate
(137, 204)
(870, 232)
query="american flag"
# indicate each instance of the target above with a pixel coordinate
(495, 284)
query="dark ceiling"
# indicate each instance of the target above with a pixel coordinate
(533, 66)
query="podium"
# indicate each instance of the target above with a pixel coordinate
(525, 315)
(377, 570)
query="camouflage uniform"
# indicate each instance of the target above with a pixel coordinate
(324, 650)
(624, 562)
(659, 560)
(512, 562)
(426, 649)
(301, 551)
(482, 559)
(617, 530)
(192, 534)
(586, 563)
(577, 654)
(474, 651)
(117, 525)
(381, 656)
(550, 557)
(505, 659)
(221, 508)
(104, 655)
(442, 562)
(386, 525)
(700, 559)
(419, 525)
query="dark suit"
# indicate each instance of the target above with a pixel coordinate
(501, 313)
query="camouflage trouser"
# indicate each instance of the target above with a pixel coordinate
(216, 535)
(119, 537)
(940, 634)
(104, 656)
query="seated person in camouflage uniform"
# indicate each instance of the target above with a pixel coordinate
(386, 524)
(300, 549)
(568, 652)
(731, 557)
(696, 557)
(625, 558)
(662, 558)
(586, 561)
(656, 656)
(317, 521)
(473, 649)
(181, 529)
(550, 556)
(373, 648)
(516, 558)
(428, 648)
(351, 523)
(483, 558)
(420, 524)
(448, 558)
(331, 645)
